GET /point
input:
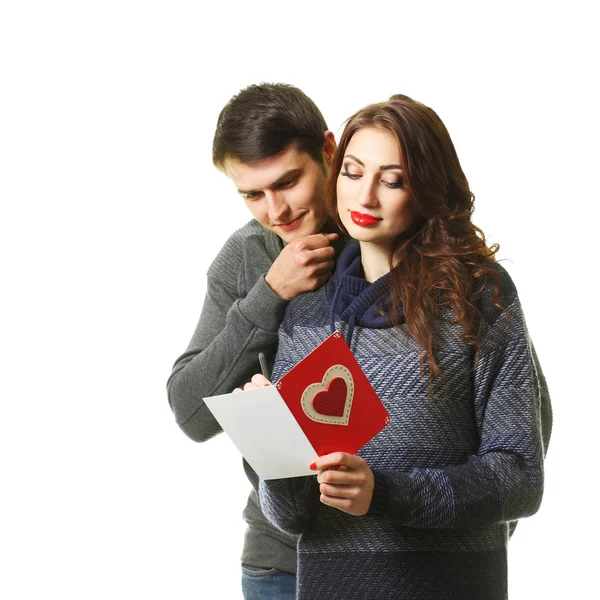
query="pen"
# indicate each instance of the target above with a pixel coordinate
(263, 365)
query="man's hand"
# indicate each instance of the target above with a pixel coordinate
(304, 265)
(258, 380)
(347, 482)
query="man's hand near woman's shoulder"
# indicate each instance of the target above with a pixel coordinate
(303, 265)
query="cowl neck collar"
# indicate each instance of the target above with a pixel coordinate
(355, 300)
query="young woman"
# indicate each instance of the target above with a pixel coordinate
(424, 510)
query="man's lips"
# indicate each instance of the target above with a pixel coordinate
(362, 219)
(290, 224)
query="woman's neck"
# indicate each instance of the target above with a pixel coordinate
(375, 260)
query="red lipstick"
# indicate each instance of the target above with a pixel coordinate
(362, 219)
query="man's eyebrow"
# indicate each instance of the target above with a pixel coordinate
(277, 182)
(381, 168)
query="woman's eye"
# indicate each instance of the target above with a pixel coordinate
(394, 185)
(351, 175)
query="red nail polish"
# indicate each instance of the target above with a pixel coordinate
(313, 467)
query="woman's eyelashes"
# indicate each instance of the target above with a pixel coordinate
(394, 184)
(399, 183)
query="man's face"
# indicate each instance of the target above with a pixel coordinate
(285, 192)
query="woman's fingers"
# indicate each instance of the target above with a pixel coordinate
(339, 491)
(341, 484)
(344, 504)
(335, 460)
(340, 477)
(345, 481)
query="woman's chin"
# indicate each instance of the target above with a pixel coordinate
(362, 234)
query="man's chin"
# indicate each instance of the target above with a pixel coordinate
(290, 236)
(305, 228)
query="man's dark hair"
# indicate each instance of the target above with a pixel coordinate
(263, 120)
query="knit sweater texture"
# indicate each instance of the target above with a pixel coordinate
(453, 470)
(240, 317)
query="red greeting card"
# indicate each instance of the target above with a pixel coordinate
(324, 404)
(332, 400)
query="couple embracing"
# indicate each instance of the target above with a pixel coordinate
(372, 238)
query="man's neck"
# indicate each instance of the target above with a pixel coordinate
(331, 226)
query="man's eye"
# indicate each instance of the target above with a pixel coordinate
(251, 195)
(351, 175)
(287, 183)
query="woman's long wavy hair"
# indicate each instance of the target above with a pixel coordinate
(443, 262)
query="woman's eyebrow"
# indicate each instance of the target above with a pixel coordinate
(351, 156)
(381, 168)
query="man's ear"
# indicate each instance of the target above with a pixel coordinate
(329, 147)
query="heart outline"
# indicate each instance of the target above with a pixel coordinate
(334, 372)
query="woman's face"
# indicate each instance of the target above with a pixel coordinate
(372, 202)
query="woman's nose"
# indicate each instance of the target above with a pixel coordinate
(367, 196)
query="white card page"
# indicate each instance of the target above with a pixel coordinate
(264, 430)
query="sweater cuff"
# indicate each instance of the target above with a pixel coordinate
(263, 307)
(391, 496)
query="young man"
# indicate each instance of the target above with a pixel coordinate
(273, 143)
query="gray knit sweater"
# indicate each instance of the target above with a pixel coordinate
(240, 317)
(452, 471)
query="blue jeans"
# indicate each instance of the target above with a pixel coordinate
(272, 584)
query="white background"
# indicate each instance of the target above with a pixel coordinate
(112, 212)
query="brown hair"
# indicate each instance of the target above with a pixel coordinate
(263, 120)
(444, 263)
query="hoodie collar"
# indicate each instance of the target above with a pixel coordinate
(353, 299)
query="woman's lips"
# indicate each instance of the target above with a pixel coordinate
(362, 219)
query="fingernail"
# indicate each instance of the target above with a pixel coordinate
(313, 467)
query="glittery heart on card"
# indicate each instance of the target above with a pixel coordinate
(331, 400)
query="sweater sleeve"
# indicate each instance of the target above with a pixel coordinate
(546, 406)
(504, 480)
(223, 352)
(290, 504)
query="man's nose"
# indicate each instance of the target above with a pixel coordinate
(276, 205)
